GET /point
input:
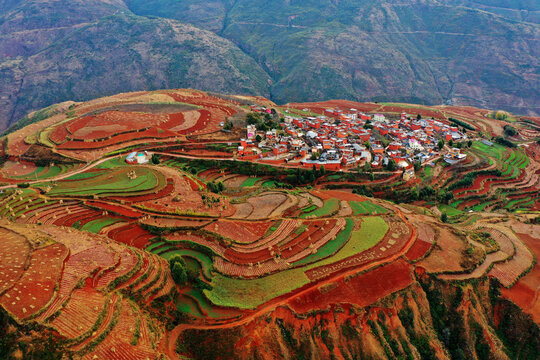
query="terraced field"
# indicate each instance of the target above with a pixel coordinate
(89, 245)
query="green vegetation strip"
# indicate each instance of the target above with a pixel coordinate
(366, 207)
(250, 182)
(95, 226)
(330, 207)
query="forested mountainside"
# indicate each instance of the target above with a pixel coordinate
(483, 53)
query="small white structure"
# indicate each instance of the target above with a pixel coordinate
(138, 157)
(379, 118)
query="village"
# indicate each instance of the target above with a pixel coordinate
(347, 140)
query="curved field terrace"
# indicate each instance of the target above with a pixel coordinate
(120, 260)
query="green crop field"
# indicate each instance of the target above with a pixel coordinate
(449, 210)
(250, 293)
(269, 184)
(114, 182)
(112, 163)
(250, 181)
(189, 305)
(330, 247)
(153, 246)
(330, 207)
(366, 207)
(95, 226)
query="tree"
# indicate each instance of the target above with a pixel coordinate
(469, 143)
(323, 170)
(155, 159)
(415, 193)
(444, 217)
(391, 166)
(253, 118)
(178, 269)
(418, 117)
(417, 165)
(178, 273)
(258, 138)
(451, 143)
(509, 130)
(444, 196)
(440, 144)
(228, 125)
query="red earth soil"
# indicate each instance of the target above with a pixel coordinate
(525, 292)
(36, 287)
(417, 250)
(14, 251)
(337, 194)
(246, 231)
(116, 209)
(361, 289)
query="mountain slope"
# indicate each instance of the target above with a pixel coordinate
(483, 53)
(110, 51)
(461, 52)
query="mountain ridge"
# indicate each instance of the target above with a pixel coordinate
(364, 51)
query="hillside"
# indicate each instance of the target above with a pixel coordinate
(134, 227)
(421, 51)
(482, 53)
(87, 50)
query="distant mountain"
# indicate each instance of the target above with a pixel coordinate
(484, 53)
(105, 49)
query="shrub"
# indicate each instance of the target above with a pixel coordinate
(505, 142)
(444, 217)
(461, 123)
(178, 273)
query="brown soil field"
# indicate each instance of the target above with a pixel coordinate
(447, 253)
(14, 255)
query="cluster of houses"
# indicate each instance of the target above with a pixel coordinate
(341, 139)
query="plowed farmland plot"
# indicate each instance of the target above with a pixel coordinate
(264, 204)
(526, 292)
(183, 200)
(283, 248)
(424, 241)
(505, 252)
(35, 288)
(118, 344)
(14, 253)
(241, 232)
(80, 313)
(446, 256)
(361, 289)
(508, 272)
